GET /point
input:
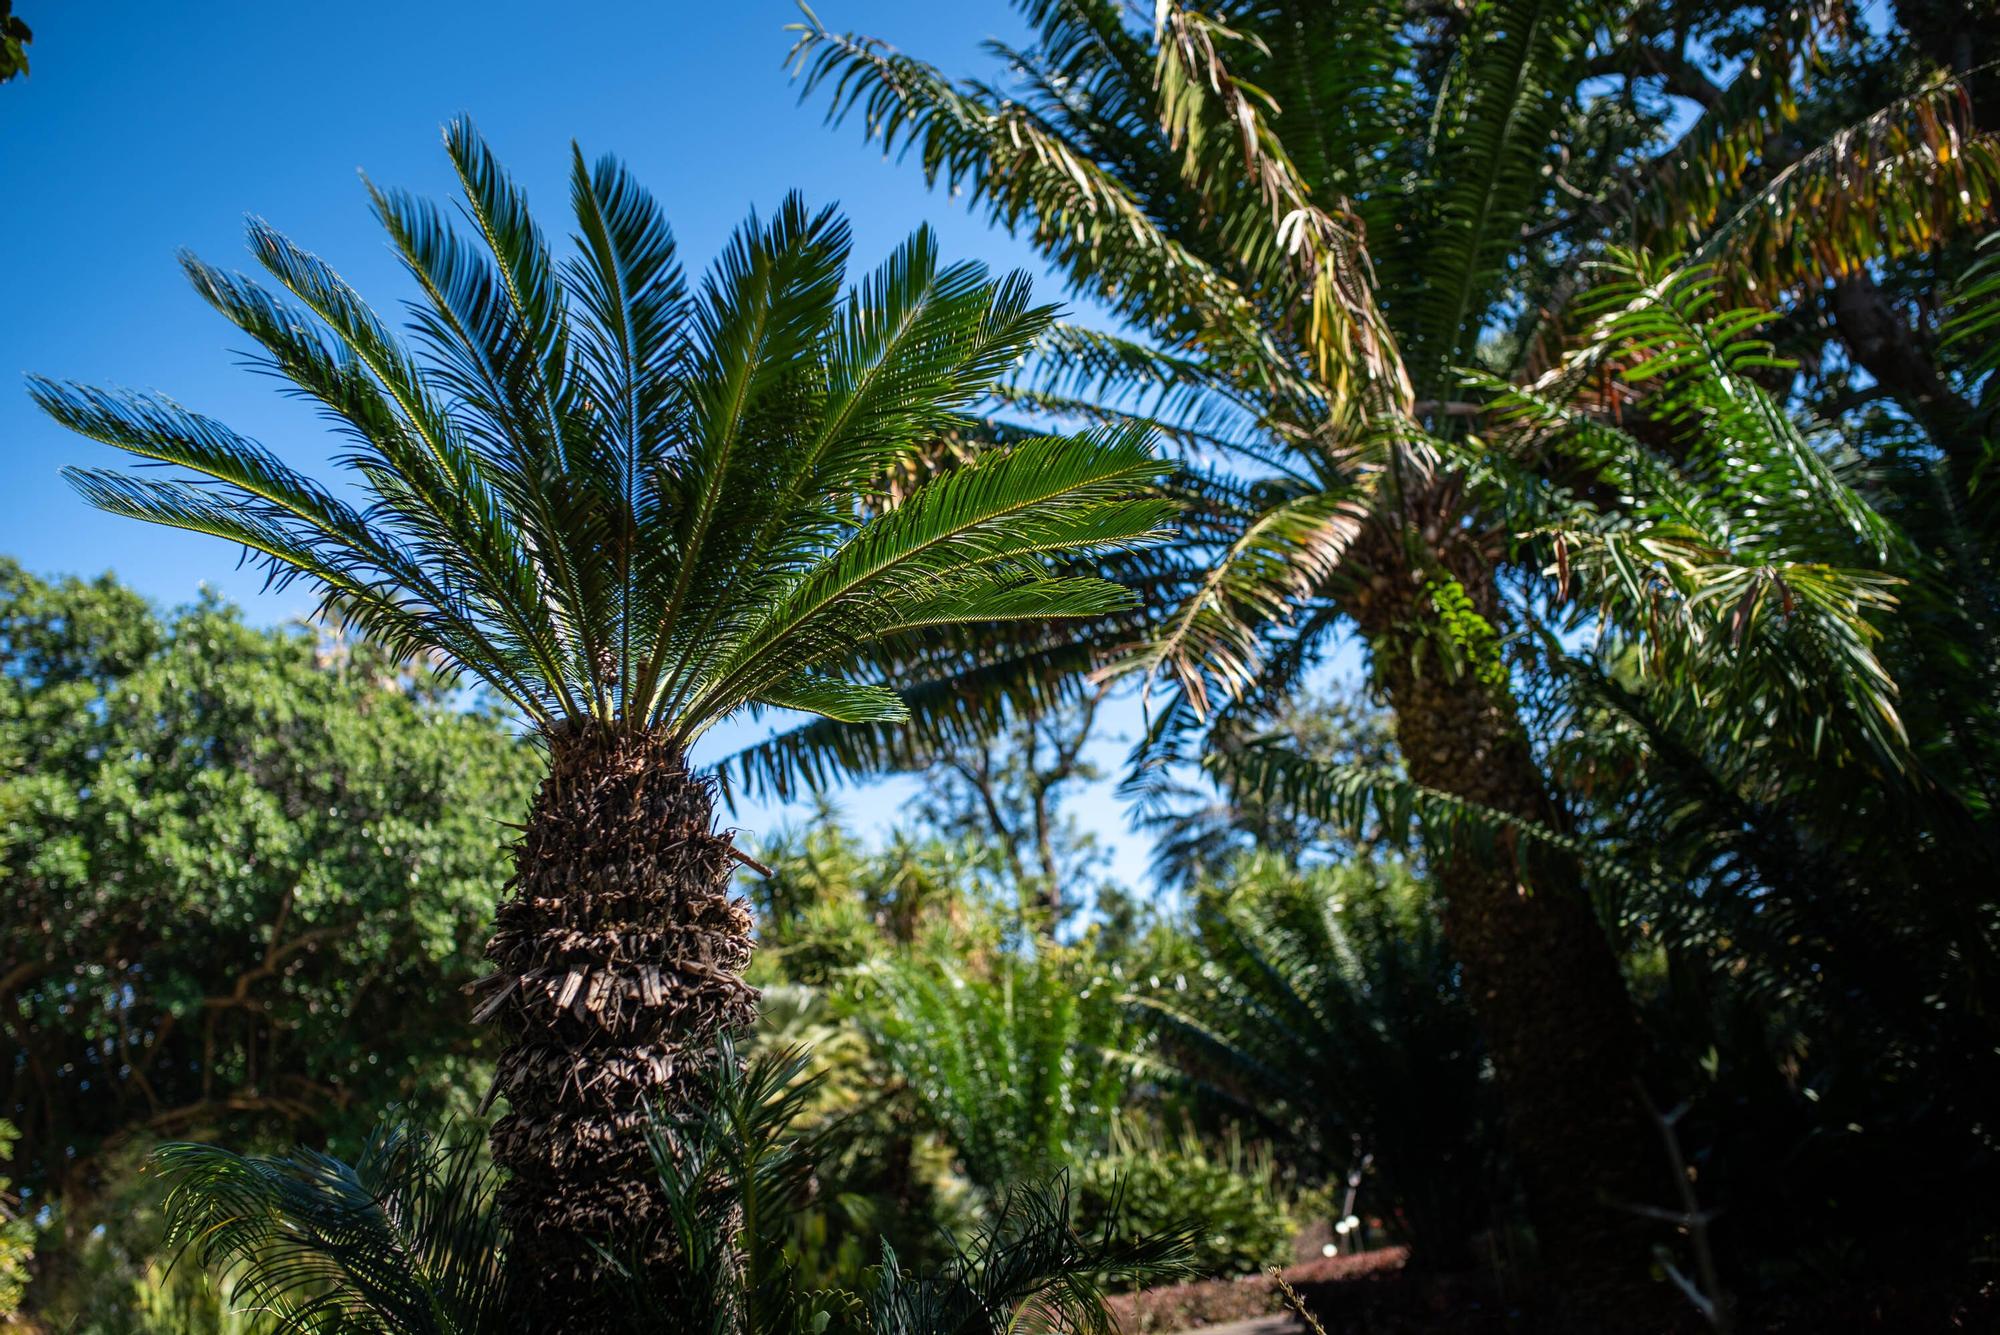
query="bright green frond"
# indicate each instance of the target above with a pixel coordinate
(841, 701)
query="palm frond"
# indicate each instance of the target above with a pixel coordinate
(1496, 131)
(404, 1240)
(1899, 182)
(1742, 559)
(1282, 559)
(1223, 127)
(1359, 798)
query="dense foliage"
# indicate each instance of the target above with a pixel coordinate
(1228, 1192)
(17, 1235)
(1585, 360)
(1013, 1058)
(406, 1238)
(1619, 379)
(1326, 1013)
(241, 876)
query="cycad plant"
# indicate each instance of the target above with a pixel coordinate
(1326, 1011)
(631, 510)
(1015, 1061)
(1309, 221)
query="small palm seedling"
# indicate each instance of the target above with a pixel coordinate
(631, 510)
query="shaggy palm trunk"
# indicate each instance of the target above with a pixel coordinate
(1545, 985)
(619, 961)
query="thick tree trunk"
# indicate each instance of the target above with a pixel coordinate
(619, 960)
(1544, 982)
(1902, 361)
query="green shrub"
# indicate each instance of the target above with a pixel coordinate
(1230, 1193)
(1013, 1058)
(1328, 1014)
(17, 1237)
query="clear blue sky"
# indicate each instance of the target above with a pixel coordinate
(146, 128)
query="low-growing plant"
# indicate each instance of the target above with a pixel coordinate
(1328, 1013)
(1230, 1191)
(1016, 1064)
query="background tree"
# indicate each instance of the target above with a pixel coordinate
(14, 39)
(241, 876)
(241, 868)
(1009, 789)
(631, 511)
(17, 1234)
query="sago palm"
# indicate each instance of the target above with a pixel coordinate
(1015, 1063)
(1311, 219)
(631, 509)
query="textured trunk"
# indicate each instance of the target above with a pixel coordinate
(619, 961)
(1901, 359)
(1544, 982)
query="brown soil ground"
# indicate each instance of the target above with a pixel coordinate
(1374, 1294)
(1369, 1294)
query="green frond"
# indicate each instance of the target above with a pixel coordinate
(1282, 559)
(840, 701)
(1972, 327)
(1029, 175)
(1495, 134)
(1326, 1011)
(1357, 798)
(1739, 559)
(1223, 126)
(968, 534)
(1016, 1069)
(1031, 1267)
(405, 1241)
(955, 696)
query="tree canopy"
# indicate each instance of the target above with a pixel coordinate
(243, 874)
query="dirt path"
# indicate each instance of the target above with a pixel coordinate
(1224, 1305)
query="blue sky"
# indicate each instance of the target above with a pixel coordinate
(155, 127)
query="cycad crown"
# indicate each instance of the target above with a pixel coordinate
(613, 498)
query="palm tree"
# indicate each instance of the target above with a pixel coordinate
(1311, 218)
(630, 510)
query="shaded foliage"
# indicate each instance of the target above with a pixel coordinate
(1325, 1011)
